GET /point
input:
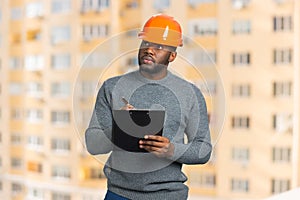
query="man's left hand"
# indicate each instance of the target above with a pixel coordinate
(158, 145)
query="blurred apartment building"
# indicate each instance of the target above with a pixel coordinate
(49, 78)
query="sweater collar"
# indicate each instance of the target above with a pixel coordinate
(146, 80)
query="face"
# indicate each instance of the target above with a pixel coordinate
(154, 58)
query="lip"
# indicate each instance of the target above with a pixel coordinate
(148, 59)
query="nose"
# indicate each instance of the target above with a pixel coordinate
(149, 50)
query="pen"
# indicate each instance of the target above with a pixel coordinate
(125, 101)
(127, 105)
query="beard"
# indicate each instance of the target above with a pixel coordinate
(155, 67)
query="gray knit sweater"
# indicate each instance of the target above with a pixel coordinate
(142, 175)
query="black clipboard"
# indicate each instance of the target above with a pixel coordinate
(130, 126)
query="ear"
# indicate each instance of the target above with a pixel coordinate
(172, 56)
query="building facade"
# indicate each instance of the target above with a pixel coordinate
(54, 55)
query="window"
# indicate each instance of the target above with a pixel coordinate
(60, 144)
(34, 62)
(33, 35)
(241, 59)
(240, 122)
(96, 59)
(34, 115)
(15, 139)
(241, 90)
(96, 173)
(90, 196)
(16, 114)
(61, 172)
(16, 163)
(239, 4)
(34, 166)
(15, 88)
(282, 23)
(282, 56)
(61, 6)
(16, 188)
(132, 61)
(90, 32)
(60, 117)
(34, 9)
(132, 4)
(60, 196)
(202, 58)
(34, 89)
(60, 89)
(61, 61)
(16, 13)
(84, 117)
(36, 193)
(131, 33)
(15, 63)
(35, 142)
(282, 89)
(281, 154)
(196, 2)
(203, 27)
(239, 185)
(60, 34)
(87, 89)
(240, 155)
(207, 88)
(279, 1)
(205, 180)
(280, 185)
(161, 5)
(16, 38)
(283, 123)
(241, 27)
(94, 5)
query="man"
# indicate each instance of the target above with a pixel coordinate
(156, 174)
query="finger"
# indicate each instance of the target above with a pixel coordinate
(153, 143)
(154, 149)
(127, 107)
(165, 151)
(157, 138)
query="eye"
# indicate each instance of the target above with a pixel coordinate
(160, 47)
(146, 44)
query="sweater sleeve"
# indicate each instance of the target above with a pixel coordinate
(98, 133)
(198, 148)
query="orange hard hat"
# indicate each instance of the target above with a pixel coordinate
(162, 29)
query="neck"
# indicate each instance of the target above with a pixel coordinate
(154, 76)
